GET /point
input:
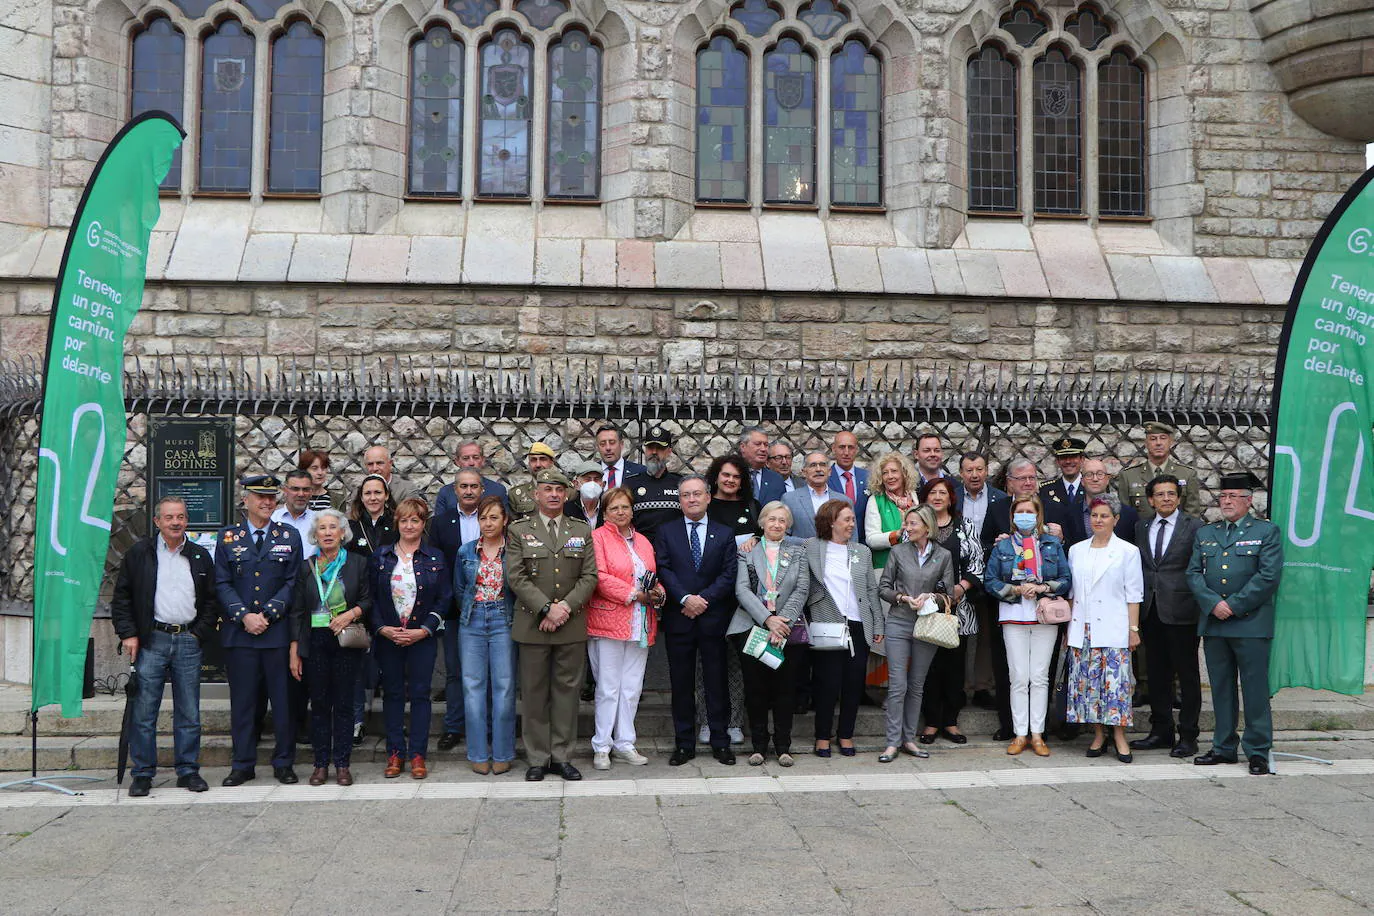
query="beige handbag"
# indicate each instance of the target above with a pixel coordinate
(355, 636)
(941, 628)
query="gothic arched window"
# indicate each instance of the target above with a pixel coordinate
(158, 80)
(722, 122)
(228, 56)
(574, 132)
(296, 128)
(856, 126)
(436, 115)
(503, 149)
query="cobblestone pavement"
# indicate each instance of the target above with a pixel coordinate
(969, 830)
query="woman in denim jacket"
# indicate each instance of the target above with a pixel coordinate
(485, 611)
(1024, 567)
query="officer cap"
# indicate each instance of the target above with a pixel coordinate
(1154, 426)
(1241, 480)
(657, 435)
(265, 484)
(539, 448)
(1068, 447)
(551, 475)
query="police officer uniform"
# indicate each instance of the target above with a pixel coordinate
(1240, 563)
(546, 564)
(655, 498)
(1063, 507)
(521, 496)
(1132, 482)
(257, 575)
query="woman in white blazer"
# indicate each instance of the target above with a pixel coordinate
(1107, 589)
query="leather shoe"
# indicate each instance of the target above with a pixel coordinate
(1212, 758)
(1002, 734)
(1018, 744)
(238, 777)
(927, 738)
(319, 776)
(569, 772)
(680, 756)
(1038, 745)
(193, 782)
(393, 766)
(285, 775)
(481, 767)
(1152, 742)
(500, 768)
(1259, 766)
(140, 786)
(1124, 758)
(1094, 751)
(723, 755)
(1184, 748)
(953, 737)
(534, 774)
(449, 741)
(418, 770)
(822, 752)
(343, 776)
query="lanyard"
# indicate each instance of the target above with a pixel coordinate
(325, 589)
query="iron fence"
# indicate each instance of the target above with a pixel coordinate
(421, 408)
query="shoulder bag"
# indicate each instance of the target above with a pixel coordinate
(1053, 610)
(940, 628)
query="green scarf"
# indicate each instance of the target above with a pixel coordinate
(891, 516)
(330, 590)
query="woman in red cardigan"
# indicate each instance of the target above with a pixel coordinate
(621, 624)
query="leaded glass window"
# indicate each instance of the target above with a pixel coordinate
(1025, 23)
(473, 13)
(722, 122)
(541, 13)
(1121, 136)
(757, 16)
(226, 110)
(574, 116)
(436, 115)
(856, 118)
(789, 125)
(159, 78)
(1057, 89)
(297, 111)
(823, 17)
(1087, 26)
(992, 171)
(503, 152)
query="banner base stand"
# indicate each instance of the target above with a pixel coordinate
(1272, 755)
(44, 783)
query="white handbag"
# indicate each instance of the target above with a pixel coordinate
(830, 636)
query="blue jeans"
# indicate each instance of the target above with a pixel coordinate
(406, 674)
(489, 683)
(160, 655)
(454, 713)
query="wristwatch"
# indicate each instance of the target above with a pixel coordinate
(1135, 629)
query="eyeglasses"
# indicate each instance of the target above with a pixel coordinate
(817, 464)
(1023, 477)
(1094, 474)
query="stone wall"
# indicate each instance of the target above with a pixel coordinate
(660, 330)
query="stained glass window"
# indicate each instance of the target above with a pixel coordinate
(789, 125)
(503, 153)
(722, 122)
(823, 17)
(226, 110)
(436, 115)
(1025, 23)
(856, 127)
(473, 13)
(757, 16)
(1058, 156)
(297, 111)
(1087, 26)
(574, 117)
(159, 67)
(992, 184)
(541, 13)
(1121, 136)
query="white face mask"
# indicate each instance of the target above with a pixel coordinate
(590, 490)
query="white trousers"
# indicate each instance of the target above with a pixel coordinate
(1029, 647)
(618, 666)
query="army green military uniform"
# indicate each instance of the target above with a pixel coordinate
(521, 498)
(1239, 563)
(545, 564)
(1131, 486)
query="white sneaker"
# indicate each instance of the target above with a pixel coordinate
(601, 760)
(736, 736)
(704, 736)
(631, 756)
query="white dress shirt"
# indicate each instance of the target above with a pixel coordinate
(818, 499)
(838, 580)
(1168, 524)
(619, 473)
(468, 529)
(174, 602)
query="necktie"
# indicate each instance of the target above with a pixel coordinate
(553, 529)
(1073, 492)
(1159, 539)
(257, 539)
(849, 485)
(696, 545)
(610, 477)
(758, 482)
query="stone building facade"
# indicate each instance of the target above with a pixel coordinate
(637, 266)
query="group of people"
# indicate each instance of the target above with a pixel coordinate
(771, 592)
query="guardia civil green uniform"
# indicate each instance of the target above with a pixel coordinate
(1239, 563)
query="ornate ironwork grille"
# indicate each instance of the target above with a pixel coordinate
(422, 409)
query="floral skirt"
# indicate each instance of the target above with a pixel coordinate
(1100, 686)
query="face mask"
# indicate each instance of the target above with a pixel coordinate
(590, 490)
(1024, 521)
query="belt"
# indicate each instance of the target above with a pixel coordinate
(173, 628)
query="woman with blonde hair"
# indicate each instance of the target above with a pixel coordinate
(892, 491)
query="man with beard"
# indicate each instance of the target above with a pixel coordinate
(655, 491)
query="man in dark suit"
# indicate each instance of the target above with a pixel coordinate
(780, 460)
(973, 497)
(1063, 496)
(1097, 482)
(469, 455)
(256, 564)
(768, 483)
(929, 457)
(610, 444)
(163, 609)
(1168, 618)
(845, 476)
(696, 564)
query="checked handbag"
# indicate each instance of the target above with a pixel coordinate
(941, 628)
